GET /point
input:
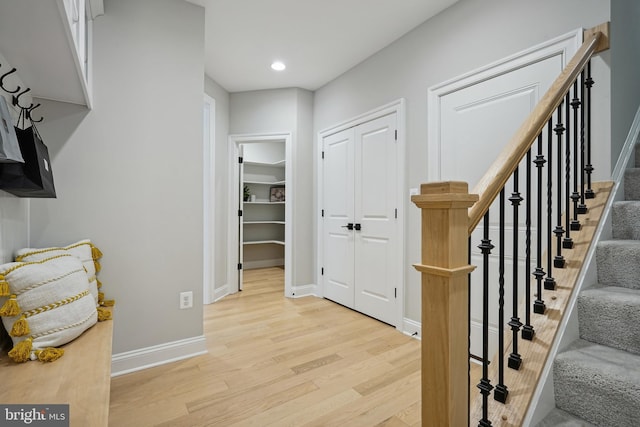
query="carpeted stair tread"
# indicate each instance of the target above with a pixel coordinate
(632, 184)
(610, 316)
(619, 263)
(560, 418)
(626, 220)
(599, 383)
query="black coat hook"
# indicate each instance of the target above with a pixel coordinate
(28, 113)
(16, 98)
(13, 70)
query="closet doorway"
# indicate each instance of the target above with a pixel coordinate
(261, 201)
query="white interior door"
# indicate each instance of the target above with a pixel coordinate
(376, 251)
(469, 141)
(360, 243)
(338, 199)
(240, 206)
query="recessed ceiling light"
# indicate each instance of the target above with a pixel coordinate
(278, 66)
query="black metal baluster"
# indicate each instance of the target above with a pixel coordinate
(539, 306)
(567, 242)
(549, 281)
(558, 260)
(527, 330)
(514, 358)
(575, 196)
(485, 384)
(501, 392)
(588, 193)
(582, 207)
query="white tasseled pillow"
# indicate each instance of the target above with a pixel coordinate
(45, 304)
(83, 250)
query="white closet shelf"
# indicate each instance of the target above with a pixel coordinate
(263, 222)
(266, 183)
(264, 242)
(278, 164)
(263, 202)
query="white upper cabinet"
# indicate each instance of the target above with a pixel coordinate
(49, 42)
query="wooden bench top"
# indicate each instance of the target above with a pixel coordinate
(81, 378)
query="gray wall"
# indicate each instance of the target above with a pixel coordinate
(285, 110)
(13, 210)
(221, 176)
(625, 70)
(460, 39)
(129, 172)
(13, 225)
(303, 209)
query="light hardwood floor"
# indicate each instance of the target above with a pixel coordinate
(281, 362)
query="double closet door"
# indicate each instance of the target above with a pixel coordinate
(361, 245)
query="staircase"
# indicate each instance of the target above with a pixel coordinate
(597, 378)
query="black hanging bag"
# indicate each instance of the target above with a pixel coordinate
(34, 177)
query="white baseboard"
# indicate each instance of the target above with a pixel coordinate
(300, 291)
(412, 328)
(265, 263)
(136, 360)
(220, 292)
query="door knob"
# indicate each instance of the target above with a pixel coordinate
(349, 226)
(358, 227)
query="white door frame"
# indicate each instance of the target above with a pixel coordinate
(208, 190)
(397, 107)
(234, 201)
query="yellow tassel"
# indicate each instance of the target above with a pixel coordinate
(103, 314)
(99, 283)
(97, 265)
(10, 308)
(20, 328)
(100, 297)
(95, 253)
(108, 303)
(22, 351)
(49, 354)
(4, 287)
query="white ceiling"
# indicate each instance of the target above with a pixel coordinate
(317, 39)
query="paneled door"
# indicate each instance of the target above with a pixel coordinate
(361, 248)
(476, 121)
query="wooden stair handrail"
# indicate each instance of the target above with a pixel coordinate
(506, 163)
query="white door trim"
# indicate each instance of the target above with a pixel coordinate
(565, 46)
(233, 199)
(208, 157)
(398, 107)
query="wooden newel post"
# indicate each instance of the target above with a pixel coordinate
(445, 318)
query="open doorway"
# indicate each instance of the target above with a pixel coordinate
(260, 200)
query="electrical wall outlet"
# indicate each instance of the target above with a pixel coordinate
(186, 300)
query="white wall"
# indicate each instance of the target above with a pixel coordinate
(285, 110)
(129, 173)
(221, 176)
(462, 38)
